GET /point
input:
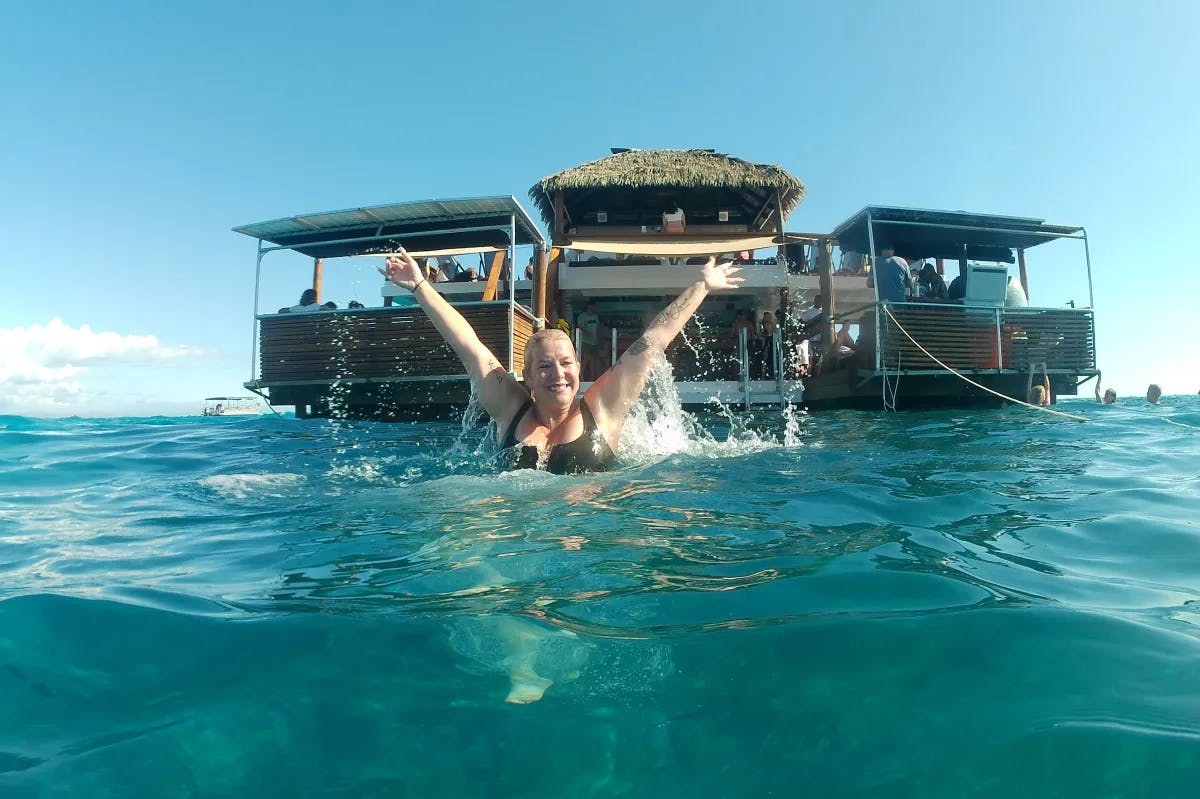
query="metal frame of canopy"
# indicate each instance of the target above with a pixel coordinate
(1029, 232)
(395, 224)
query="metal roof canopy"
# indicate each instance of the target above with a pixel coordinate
(482, 222)
(917, 233)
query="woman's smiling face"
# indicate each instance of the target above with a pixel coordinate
(552, 371)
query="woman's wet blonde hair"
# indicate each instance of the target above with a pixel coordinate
(545, 335)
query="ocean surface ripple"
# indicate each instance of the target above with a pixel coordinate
(942, 603)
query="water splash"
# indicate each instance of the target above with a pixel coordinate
(658, 426)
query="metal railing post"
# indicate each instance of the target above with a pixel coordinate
(614, 348)
(512, 293)
(999, 343)
(254, 318)
(777, 357)
(879, 306)
(874, 256)
(743, 357)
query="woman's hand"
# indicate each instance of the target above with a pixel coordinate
(722, 275)
(402, 270)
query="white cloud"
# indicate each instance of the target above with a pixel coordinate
(42, 369)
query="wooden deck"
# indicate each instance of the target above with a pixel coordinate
(993, 346)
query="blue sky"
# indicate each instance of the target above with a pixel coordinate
(137, 134)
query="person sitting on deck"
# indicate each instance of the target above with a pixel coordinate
(543, 421)
(308, 303)
(892, 273)
(673, 219)
(449, 266)
(743, 322)
(438, 272)
(932, 284)
(844, 341)
(957, 288)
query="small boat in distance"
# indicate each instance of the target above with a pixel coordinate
(232, 406)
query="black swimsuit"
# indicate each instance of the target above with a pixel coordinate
(588, 453)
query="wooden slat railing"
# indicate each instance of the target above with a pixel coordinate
(1062, 338)
(966, 338)
(376, 343)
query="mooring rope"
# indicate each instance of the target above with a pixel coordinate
(1181, 424)
(934, 358)
(268, 401)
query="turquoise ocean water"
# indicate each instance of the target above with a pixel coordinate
(985, 603)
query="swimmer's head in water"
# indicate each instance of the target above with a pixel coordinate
(1110, 397)
(551, 368)
(1154, 393)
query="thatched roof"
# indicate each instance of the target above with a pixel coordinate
(641, 182)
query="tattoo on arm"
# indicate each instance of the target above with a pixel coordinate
(671, 312)
(635, 349)
(639, 346)
(495, 371)
(675, 309)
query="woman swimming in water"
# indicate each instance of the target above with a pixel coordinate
(554, 428)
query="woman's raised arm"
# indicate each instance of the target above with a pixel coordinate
(615, 391)
(499, 392)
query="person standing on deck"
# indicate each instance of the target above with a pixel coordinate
(892, 273)
(808, 352)
(590, 357)
(764, 348)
